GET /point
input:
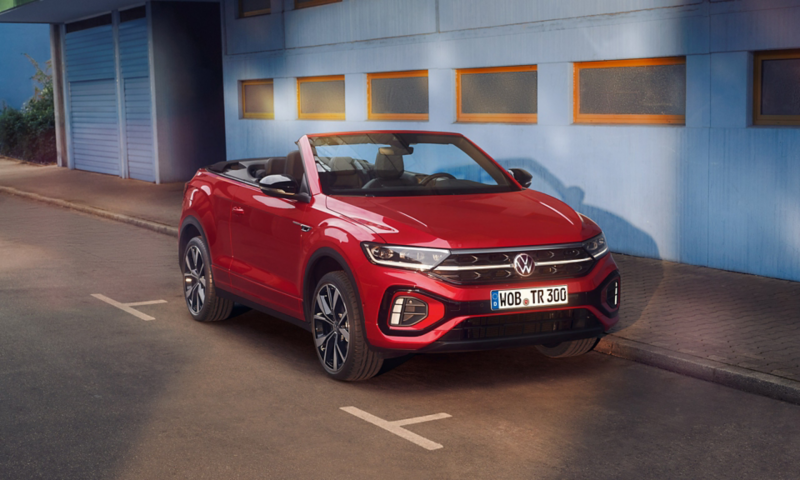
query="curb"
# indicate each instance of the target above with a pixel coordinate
(154, 226)
(728, 375)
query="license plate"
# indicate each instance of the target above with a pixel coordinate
(530, 297)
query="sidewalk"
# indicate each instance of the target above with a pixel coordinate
(739, 330)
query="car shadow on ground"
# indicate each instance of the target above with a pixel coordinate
(292, 347)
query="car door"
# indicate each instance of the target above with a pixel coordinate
(267, 240)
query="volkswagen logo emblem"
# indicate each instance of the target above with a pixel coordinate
(524, 264)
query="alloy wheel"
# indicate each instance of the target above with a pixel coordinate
(194, 278)
(331, 327)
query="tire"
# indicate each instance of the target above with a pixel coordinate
(199, 290)
(568, 349)
(337, 328)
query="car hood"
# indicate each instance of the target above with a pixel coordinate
(508, 219)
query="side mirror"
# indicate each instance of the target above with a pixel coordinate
(522, 176)
(282, 186)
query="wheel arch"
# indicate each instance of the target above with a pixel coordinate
(190, 228)
(321, 262)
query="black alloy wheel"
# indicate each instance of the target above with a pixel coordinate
(338, 330)
(198, 285)
(331, 328)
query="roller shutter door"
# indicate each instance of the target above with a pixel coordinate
(135, 69)
(94, 115)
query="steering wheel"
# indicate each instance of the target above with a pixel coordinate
(434, 176)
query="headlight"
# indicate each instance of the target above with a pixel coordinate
(414, 258)
(596, 246)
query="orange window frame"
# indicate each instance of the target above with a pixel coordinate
(318, 116)
(394, 116)
(492, 117)
(254, 13)
(623, 118)
(758, 60)
(315, 3)
(259, 116)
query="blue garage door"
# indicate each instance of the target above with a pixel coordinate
(94, 118)
(135, 68)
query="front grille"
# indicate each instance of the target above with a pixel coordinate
(475, 268)
(522, 324)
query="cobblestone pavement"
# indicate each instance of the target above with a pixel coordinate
(743, 320)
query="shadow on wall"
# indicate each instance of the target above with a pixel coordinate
(641, 277)
(621, 235)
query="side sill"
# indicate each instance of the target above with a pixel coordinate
(261, 308)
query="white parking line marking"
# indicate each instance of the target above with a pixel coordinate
(126, 307)
(396, 427)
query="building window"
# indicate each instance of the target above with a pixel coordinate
(776, 95)
(398, 95)
(251, 8)
(649, 90)
(312, 3)
(503, 94)
(321, 98)
(258, 99)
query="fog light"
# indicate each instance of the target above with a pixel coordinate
(407, 311)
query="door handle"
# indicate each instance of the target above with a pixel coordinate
(238, 210)
(303, 228)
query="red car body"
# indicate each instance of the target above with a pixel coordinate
(268, 252)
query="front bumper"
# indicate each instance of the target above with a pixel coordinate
(467, 321)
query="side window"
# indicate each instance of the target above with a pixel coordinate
(398, 95)
(312, 3)
(257, 99)
(252, 8)
(645, 91)
(500, 95)
(776, 94)
(321, 98)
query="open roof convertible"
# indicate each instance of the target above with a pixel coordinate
(388, 243)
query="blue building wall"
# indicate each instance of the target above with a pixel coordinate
(16, 86)
(716, 192)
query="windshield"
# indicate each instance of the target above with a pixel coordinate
(393, 164)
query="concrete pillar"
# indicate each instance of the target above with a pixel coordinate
(355, 97)
(285, 91)
(731, 90)
(555, 93)
(698, 90)
(58, 95)
(442, 97)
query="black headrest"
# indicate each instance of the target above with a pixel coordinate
(294, 165)
(389, 166)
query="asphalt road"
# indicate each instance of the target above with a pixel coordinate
(90, 391)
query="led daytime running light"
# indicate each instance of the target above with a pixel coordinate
(412, 258)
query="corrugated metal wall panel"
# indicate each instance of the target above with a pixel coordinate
(93, 99)
(90, 54)
(95, 128)
(139, 128)
(135, 67)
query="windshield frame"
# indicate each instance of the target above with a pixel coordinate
(511, 185)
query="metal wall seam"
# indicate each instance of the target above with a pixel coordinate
(123, 136)
(154, 110)
(67, 98)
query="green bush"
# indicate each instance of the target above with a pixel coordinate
(29, 133)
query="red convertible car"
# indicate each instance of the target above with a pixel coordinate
(388, 243)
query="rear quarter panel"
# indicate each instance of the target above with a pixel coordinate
(207, 200)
